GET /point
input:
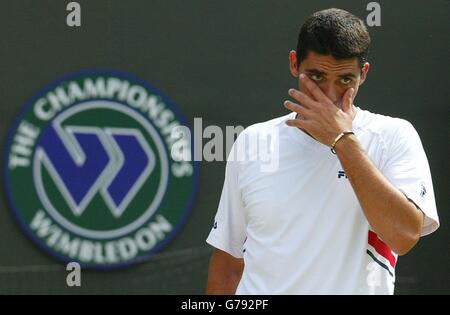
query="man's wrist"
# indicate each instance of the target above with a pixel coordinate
(344, 142)
(339, 137)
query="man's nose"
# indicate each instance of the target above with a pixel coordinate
(331, 92)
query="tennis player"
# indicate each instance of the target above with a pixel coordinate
(352, 190)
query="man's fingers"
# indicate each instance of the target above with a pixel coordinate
(347, 100)
(302, 111)
(302, 98)
(313, 89)
(299, 123)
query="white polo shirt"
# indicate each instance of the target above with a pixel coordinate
(298, 224)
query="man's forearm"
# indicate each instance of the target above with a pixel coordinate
(224, 274)
(391, 215)
(222, 284)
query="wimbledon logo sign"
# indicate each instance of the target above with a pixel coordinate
(89, 173)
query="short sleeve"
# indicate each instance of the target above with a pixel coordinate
(229, 229)
(407, 169)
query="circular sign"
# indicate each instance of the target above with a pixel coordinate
(89, 171)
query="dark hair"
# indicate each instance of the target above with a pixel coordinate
(334, 32)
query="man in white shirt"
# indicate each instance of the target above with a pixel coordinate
(323, 221)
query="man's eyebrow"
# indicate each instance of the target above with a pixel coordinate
(322, 73)
(315, 71)
(347, 75)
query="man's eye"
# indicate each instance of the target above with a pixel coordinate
(316, 77)
(346, 81)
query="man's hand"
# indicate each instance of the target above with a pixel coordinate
(319, 116)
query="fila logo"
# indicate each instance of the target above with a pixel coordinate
(423, 190)
(342, 174)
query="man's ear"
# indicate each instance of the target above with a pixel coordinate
(293, 65)
(364, 72)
